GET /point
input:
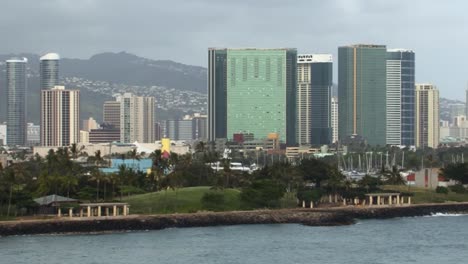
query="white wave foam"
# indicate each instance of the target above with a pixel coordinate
(443, 214)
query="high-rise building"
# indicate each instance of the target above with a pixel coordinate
(314, 83)
(252, 91)
(362, 92)
(455, 111)
(60, 117)
(179, 129)
(49, 70)
(466, 102)
(16, 96)
(33, 135)
(400, 97)
(190, 128)
(137, 118)
(334, 119)
(3, 134)
(84, 137)
(427, 116)
(111, 113)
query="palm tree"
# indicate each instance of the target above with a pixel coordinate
(98, 158)
(97, 176)
(71, 181)
(226, 163)
(76, 151)
(121, 176)
(13, 176)
(200, 148)
(133, 154)
(159, 167)
(394, 177)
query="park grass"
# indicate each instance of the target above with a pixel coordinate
(423, 195)
(7, 218)
(183, 200)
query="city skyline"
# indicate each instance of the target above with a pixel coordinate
(415, 30)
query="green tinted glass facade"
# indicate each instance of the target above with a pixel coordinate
(217, 97)
(362, 92)
(261, 90)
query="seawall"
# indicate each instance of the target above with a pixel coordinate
(312, 217)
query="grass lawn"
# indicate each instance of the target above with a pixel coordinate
(422, 195)
(184, 200)
(6, 218)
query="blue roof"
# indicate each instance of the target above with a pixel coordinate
(140, 165)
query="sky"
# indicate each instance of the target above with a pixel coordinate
(182, 30)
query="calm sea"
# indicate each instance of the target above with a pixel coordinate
(434, 239)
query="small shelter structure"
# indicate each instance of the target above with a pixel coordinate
(50, 204)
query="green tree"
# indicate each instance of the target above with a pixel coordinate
(456, 171)
(394, 177)
(262, 194)
(315, 171)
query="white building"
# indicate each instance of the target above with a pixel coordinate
(3, 134)
(33, 134)
(334, 119)
(137, 120)
(400, 97)
(427, 116)
(314, 83)
(60, 117)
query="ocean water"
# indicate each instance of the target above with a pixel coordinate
(434, 239)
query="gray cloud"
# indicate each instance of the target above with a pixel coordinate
(182, 30)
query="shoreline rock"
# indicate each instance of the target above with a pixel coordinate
(310, 217)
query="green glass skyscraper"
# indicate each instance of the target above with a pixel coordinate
(252, 91)
(362, 92)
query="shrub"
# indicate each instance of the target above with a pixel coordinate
(441, 189)
(213, 201)
(458, 188)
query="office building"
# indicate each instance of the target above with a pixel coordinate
(33, 135)
(158, 131)
(49, 71)
(179, 129)
(60, 117)
(84, 137)
(466, 102)
(455, 111)
(334, 119)
(104, 135)
(191, 127)
(111, 113)
(427, 116)
(16, 97)
(252, 91)
(362, 92)
(314, 84)
(3, 134)
(400, 97)
(137, 119)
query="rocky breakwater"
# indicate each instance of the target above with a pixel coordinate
(155, 222)
(407, 211)
(311, 217)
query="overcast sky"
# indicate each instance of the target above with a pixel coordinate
(182, 30)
